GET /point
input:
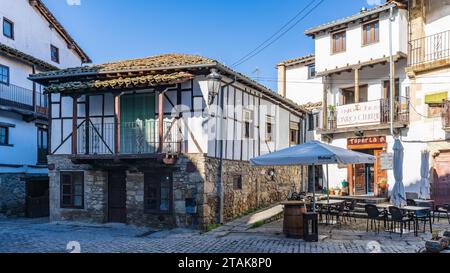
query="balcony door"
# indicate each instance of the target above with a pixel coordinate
(348, 95)
(138, 128)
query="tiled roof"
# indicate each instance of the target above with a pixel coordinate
(360, 15)
(48, 15)
(12, 52)
(312, 106)
(167, 61)
(121, 83)
(299, 60)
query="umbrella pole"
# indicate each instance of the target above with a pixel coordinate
(314, 187)
(328, 186)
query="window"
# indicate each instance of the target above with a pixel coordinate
(157, 193)
(311, 71)
(387, 90)
(54, 53)
(4, 135)
(371, 33)
(4, 74)
(339, 42)
(8, 28)
(294, 136)
(237, 182)
(42, 145)
(72, 190)
(313, 121)
(248, 124)
(270, 124)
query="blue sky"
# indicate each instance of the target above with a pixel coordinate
(224, 30)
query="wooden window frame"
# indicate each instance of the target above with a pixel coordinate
(149, 175)
(311, 71)
(250, 122)
(270, 123)
(11, 23)
(237, 182)
(40, 142)
(6, 128)
(72, 194)
(8, 78)
(342, 42)
(56, 49)
(373, 37)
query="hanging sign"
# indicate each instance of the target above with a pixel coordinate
(386, 161)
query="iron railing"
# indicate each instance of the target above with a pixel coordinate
(140, 137)
(430, 48)
(401, 112)
(19, 97)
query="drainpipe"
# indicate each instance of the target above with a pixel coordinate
(391, 71)
(223, 134)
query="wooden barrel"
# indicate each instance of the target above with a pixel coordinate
(293, 219)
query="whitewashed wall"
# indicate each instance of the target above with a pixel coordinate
(356, 52)
(299, 88)
(33, 35)
(437, 17)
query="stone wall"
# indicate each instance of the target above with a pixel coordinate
(12, 194)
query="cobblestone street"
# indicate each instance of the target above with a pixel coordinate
(38, 236)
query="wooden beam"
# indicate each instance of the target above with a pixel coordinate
(74, 125)
(116, 123)
(161, 120)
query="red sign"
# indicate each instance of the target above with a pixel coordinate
(366, 140)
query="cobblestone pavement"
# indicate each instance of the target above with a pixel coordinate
(39, 236)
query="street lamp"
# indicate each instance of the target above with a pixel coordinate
(214, 85)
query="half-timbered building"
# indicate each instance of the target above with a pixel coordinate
(165, 141)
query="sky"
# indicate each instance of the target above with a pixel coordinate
(224, 30)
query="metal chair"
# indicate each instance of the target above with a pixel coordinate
(441, 209)
(338, 212)
(374, 216)
(349, 211)
(397, 217)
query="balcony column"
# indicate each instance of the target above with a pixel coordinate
(74, 125)
(116, 123)
(357, 84)
(325, 103)
(161, 120)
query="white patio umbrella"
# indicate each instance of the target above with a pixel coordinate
(313, 153)
(398, 196)
(424, 173)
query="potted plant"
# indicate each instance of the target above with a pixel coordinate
(382, 184)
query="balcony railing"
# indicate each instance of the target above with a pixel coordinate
(136, 138)
(429, 49)
(372, 113)
(22, 98)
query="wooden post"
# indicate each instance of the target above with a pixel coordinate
(161, 120)
(116, 123)
(34, 89)
(74, 125)
(49, 115)
(325, 103)
(357, 85)
(86, 124)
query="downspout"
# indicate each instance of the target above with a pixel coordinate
(391, 71)
(223, 134)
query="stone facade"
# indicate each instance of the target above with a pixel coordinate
(12, 194)
(196, 191)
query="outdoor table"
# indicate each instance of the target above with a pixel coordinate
(415, 210)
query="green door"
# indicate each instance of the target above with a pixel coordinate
(138, 134)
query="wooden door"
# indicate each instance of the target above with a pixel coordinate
(441, 183)
(360, 179)
(379, 173)
(117, 196)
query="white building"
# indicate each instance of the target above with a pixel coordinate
(31, 41)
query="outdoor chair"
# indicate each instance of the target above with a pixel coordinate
(374, 216)
(411, 202)
(338, 212)
(444, 209)
(349, 211)
(397, 217)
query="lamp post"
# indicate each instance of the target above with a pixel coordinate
(214, 85)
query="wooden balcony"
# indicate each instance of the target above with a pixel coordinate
(372, 115)
(135, 140)
(429, 52)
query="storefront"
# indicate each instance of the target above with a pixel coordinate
(364, 178)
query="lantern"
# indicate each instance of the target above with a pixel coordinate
(214, 84)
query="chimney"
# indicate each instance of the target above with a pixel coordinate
(282, 79)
